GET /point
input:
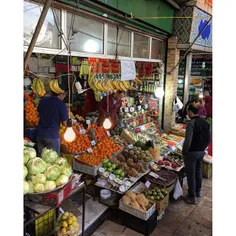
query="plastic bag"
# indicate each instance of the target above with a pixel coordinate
(178, 192)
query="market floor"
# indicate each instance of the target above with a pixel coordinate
(180, 219)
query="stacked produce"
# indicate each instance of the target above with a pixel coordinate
(155, 193)
(104, 149)
(81, 142)
(137, 154)
(31, 111)
(67, 224)
(46, 173)
(138, 201)
(119, 141)
(38, 87)
(100, 132)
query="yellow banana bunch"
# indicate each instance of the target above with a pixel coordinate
(38, 87)
(54, 86)
(128, 85)
(138, 81)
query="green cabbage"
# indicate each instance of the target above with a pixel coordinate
(60, 161)
(66, 170)
(38, 188)
(50, 185)
(62, 180)
(49, 155)
(25, 172)
(26, 158)
(26, 187)
(39, 178)
(30, 151)
(31, 187)
(29, 177)
(36, 166)
(52, 172)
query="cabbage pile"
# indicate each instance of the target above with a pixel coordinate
(46, 173)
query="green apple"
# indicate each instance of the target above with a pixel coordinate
(113, 166)
(109, 164)
(122, 174)
(109, 169)
(105, 161)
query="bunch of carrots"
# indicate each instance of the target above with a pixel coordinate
(31, 111)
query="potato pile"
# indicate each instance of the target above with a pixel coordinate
(118, 140)
(128, 165)
(138, 201)
(136, 153)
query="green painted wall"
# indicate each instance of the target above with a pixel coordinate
(139, 8)
(147, 8)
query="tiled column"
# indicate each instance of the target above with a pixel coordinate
(171, 83)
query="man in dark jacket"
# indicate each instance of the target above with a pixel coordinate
(197, 138)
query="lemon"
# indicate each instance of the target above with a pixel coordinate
(69, 220)
(64, 224)
(63, 230)
(70, 227)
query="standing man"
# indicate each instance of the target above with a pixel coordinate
(52, 110)
(113, 102)
(197, 138)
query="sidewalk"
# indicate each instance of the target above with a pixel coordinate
(180, 219)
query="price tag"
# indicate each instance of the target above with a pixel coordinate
(131, 109)
(146, 106)
(126, 109)
(147, 184)
(93, 142)
(108, 133)
(61, 210)
(60, 196)
(153, 175)
(139, 107)
(88, 122)
(73, 183)
(89, 150)
(74, 121)
(130, 146)
(82, 131)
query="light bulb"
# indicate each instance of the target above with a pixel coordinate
(159, 92)
(201, 96)
(69, 135)
(107, 123)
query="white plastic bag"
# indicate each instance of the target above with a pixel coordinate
(178, 192)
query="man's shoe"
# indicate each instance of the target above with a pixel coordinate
(199, 194)
(191, 200)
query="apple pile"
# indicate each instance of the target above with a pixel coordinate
(112, 168)
(67, 223)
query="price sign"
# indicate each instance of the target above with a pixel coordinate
(82, 131)
(131, 109)
(153, 175)
(61, 210)
(146, 106)
(147, 184)
(89, 150)
(130, 146)
(93, 142)
(88, 122)
(126, 109)
(61, 196)
(139, 107)
(108, 133)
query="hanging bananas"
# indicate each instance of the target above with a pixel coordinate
(54, 86)
(38, 87)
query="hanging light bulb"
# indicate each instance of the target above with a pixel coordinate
(159, 92)
(107, 123)
(69, 135)
(201, 96)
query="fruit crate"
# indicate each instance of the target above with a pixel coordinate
(206, 170)
(144, 215)
(86, 169)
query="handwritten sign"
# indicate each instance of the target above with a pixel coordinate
(130, 146)
(131, 109)
(82, 131)
(128, 71)
(126, 109)
(89, 150)
(88, 122)
(108, 133)
(93, 142)
(139, 108)
(147, 184)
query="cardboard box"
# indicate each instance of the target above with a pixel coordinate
(162, 204)
(206, 170)
(53, 199)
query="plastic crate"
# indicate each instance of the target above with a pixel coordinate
(90, 170)
(45, 224)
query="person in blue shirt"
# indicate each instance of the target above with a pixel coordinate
(52, 110)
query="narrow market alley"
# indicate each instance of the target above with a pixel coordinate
(180, 219)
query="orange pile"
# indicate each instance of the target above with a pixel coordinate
(100, 132)
(31, 111)
(104, 149)
(80, 144)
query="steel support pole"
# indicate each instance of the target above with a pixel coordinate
(187, 75)
(36, 32)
